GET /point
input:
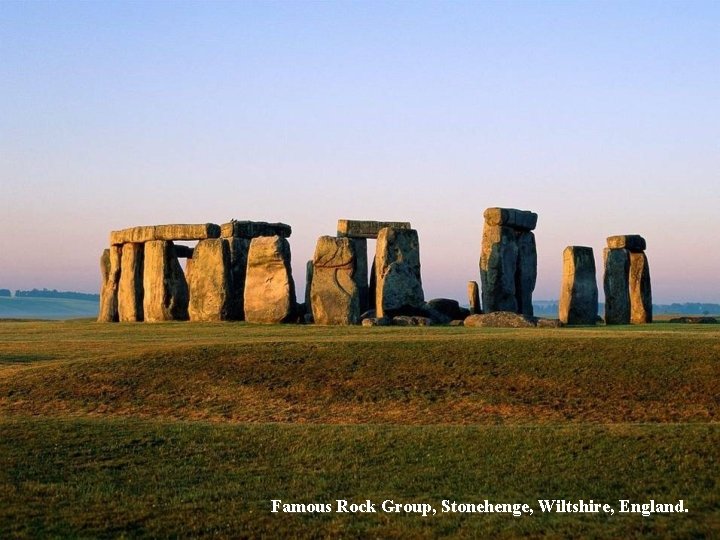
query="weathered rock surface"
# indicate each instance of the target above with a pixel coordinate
(254, 229)
(361, 272)
(165, 232)
(269, 285)
(457, 322)
(407, 320)
(694, 320)
(397, 272)
(499, 319)
(165, 291)
(375, 321)
(579, 291)
(549, 323)
(183, 252)
(130, 289)
(526, 273)
(616, 286)
(511, 217)
(498, 265)
(631, 242)
(640, 290)
(209, 283)
(334, 294)
(110, 276)
(474, 298)
(239, 248)
(366, 229)
(448, 307)
(309, 269)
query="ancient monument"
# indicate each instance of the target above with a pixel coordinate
(508, 261)
(241, 271)
(143, 280)
(628, 294)
(579, 291)
(340, 291)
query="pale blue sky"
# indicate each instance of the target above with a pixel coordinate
(603, 117)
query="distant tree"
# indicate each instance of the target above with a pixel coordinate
(54, 293)
(5, 292)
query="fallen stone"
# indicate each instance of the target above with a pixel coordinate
(130, 289)
(397, 271)
(640, 290)
(165, 291)
(209, 283)
(369, 314)
(254, 229)
(269, 285)
(579, 291)
(499, 319)
(549, 323)
(511, 217)
(457, 323)
(631, 242)
(694, 320)
(334, 294)
(366, 229)
(616, 286)
(448, 307)
(474, 298)
(406, 320)
(375, 321)
(434, 315)
(165, 232)
(110, 275)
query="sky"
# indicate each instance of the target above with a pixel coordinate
(602, 117)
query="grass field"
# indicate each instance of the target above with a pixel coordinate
(185, 429)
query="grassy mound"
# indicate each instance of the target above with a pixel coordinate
(191, 429)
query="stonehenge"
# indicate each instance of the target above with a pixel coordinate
(398, 285)
(241, 270)
(508, 261)
(626, 282)
(143, 280)
(334, 292)
(269, 285)
(340, 290)
(474, 298)
(579, 292)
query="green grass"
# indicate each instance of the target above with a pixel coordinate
(190, 429)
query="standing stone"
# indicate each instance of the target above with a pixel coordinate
(110, 273)
(508, 261)
(335, 296)
(526, 273)
(308, 285)
(165, 289)
(615, 284)
(397, 273)
(238, 269)
(269, 286)
(640, 292)
(474, 297)
(361, 272)
(498, 263)
(130, 290)
(372, 286)
(209, 281)
(579, 291)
